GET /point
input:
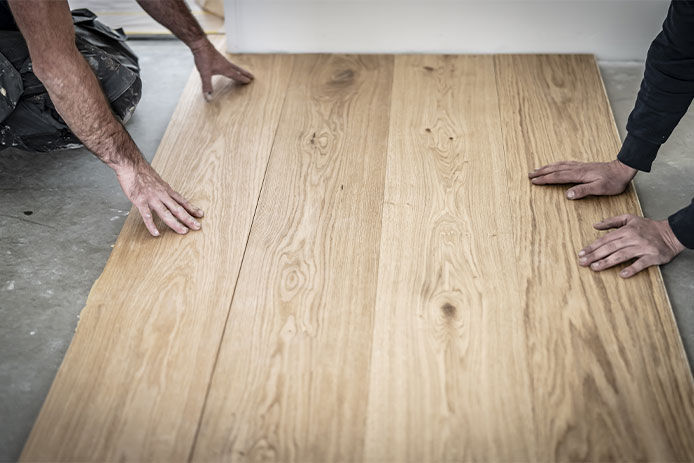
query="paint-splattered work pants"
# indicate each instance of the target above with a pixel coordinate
(28, 119)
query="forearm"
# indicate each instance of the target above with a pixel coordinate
(175, 16)
(71, 83)
(666, 91)
(80, 101)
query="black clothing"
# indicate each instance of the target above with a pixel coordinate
(28, 119)
(666, 91)
(6, 20)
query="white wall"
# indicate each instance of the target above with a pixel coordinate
(611, 29)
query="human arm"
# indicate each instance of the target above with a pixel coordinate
(175, 16)
(77, 96)
(666, 92)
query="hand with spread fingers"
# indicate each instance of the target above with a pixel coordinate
(210, 62)
(592, 178)
(149, 192)
(648, 241)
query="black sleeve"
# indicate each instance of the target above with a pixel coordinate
(666, 90)
(682, 224)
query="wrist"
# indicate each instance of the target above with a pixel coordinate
(626, 172)
(199, 44)
(127, 164)
(669, 237)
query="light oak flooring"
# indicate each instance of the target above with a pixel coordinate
(376, 280)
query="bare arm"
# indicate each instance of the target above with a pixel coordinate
(75, 91)
(175, 16)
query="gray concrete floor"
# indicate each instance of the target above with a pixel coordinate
(50, 259)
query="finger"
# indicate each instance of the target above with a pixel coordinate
(603, 251)
(206, 80)
(583, 190)
(561, 176)
(168, 218)
(241, 70)
(236, 73)
(193, 210)
(618, 257)
(636, 267)
(147, 219)
(555, 167)
(180, 213)
(602, 241)
(612, 222)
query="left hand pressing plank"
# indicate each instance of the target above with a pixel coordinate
(210, 62)
(648, 241)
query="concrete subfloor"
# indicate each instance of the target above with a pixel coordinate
(50, 258)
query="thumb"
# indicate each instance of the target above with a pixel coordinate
(206, 85)
(581, 191)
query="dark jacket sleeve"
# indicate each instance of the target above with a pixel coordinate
(682, 224)
(666, 90)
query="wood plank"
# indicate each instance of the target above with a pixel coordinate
(606, 364)
(133, 381)
(490, 343)
(291, 380)
(446, 344)
(405, 294)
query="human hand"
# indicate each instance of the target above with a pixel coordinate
(593, 178)
(648, 241)
(148, 192)
(210, 62)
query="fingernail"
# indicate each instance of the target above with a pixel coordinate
(583, 260)
(208, 96)
(581, 253)
(623, 273)
(201, 212)
(594, 266)
(570, 195)
(156, 233)
(196, 223)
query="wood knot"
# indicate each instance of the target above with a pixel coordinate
(428, 130)
(343, 77)
(448, 310)
(428, 68)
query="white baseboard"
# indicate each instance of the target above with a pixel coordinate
(610, 29)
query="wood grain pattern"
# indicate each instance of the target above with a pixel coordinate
(607, 370)
(377, 280)
(447, 382)
(289, 383)
(133, 382)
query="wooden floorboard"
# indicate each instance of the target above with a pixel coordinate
(300, 326)
(608, 375)
(445, 341)
(133, 382)
(376, 280)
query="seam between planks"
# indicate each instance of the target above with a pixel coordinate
(236, 281)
